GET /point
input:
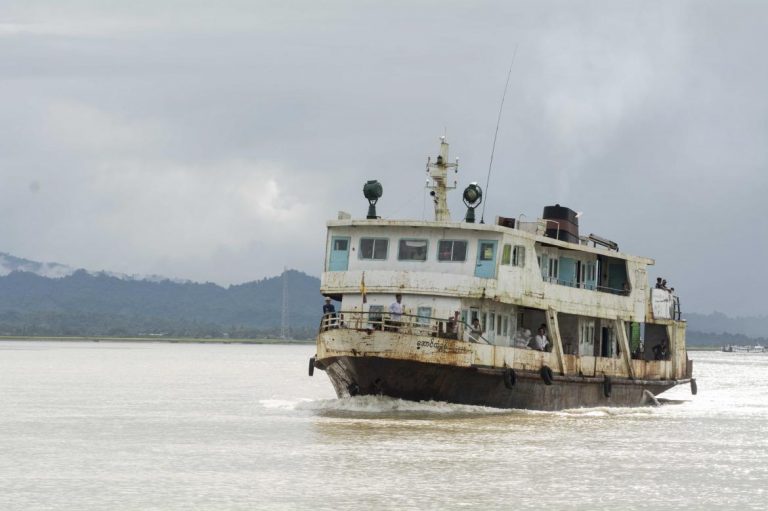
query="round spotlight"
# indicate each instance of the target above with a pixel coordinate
(372, 190)
(473, 196)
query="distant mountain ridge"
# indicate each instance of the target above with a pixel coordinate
(49, 299)
(10, 263)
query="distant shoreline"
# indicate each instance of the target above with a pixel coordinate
(167, 340)
(194, 340)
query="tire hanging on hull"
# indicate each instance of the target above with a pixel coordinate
(509, 377)
(546, 375)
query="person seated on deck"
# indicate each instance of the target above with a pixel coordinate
(540, 342)
(658, 283)
(476, 332)
(452, 326)
(522, 338)
(660, 351)
(664, 285)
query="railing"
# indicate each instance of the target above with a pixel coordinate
(404, 323)
(589, 286)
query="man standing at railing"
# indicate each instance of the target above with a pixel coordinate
(396, 312)
(329, 312)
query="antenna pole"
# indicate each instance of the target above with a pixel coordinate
(284, 315)
(495, 135)
(438, 172)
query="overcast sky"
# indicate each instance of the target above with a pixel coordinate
(211, 140)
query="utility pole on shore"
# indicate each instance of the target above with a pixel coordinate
(284, 315)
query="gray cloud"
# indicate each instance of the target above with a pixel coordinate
(212, 141)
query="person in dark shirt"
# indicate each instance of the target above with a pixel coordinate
(328, 308)
(329, 311)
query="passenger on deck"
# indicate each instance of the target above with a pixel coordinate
(664, 285)
(660, 351)
(330, 312)
(395, 312)
(522, 338)
(540, 342)
(477, 331)
(658, 283)
(452, 326)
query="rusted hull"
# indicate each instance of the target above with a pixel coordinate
(419, 381)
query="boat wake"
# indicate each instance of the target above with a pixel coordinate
(381, 406)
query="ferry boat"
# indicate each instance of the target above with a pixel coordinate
(450, 310)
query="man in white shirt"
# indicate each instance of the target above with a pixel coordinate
(540, 341)
(396, 311)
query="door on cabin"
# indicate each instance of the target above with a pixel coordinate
(486, 259)
(586, 337)
(339, 259)
(567, 275)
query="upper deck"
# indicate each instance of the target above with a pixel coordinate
(467, 260)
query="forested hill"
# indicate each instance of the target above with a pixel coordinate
(84, 303)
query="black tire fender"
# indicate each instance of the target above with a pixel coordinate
(509, 377)
(311, 366)
(694, 387)
(546, 374)
(607, 386)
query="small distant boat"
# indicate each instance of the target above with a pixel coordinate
(732, 348)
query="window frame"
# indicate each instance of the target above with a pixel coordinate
(426, 249)
(518, 256)
(373, 249)
(506, 254)
(453, 244)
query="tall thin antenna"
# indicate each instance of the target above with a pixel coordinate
(495, 135)
(284, 315)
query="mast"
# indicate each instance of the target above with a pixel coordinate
(438, 171)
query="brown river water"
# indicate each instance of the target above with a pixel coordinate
(88, 425)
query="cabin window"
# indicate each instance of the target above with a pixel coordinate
(375, 313)
(505, 325)
(452, 250)
(487, 249)
(518, 256)
(506, 254)
(552, 270)
(412, 250)
(340, 244)
(498, 325)
(424, 315)
(374, 248)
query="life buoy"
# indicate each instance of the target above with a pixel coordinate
(607, 386)
(509, 377)
(311, 366)
(546, 375)
(694, 387)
